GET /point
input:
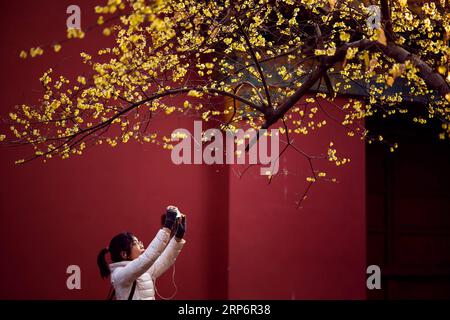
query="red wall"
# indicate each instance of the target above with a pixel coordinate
(316, 252)
(245, 239)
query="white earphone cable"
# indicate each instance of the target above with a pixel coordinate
(174, 285)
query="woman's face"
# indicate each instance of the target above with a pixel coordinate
(136, 249)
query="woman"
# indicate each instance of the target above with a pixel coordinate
(134, 268)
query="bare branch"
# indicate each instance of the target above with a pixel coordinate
(255, 59)
(386, 18)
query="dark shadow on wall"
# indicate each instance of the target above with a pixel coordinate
(408, 215)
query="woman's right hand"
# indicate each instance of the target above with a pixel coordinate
(171, 217)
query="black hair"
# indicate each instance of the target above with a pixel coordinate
(121, 242)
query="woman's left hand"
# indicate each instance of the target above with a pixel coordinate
(182, 226)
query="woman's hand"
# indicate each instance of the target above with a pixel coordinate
(182, 226)
(171, 217)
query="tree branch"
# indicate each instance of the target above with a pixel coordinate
(392, 50)
(87, 131)
(294, 98)
(433, 79)
(274, 116)
(258, 65)
(386, 18)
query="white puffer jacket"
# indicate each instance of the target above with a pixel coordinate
(152, 263)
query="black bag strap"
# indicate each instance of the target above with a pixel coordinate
(130, 297)
(113, 292)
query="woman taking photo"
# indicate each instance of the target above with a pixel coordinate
(134, 269)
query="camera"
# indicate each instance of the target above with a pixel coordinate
(172, 208)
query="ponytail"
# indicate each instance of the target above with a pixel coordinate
(102, 264)
(120, 243)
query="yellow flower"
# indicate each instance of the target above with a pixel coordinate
(227, 41)
(57, 47)
(380, 36)
(351, 52)
(447, 96)
(75, 33)
(344, 36)
(81, 80)
(36, 52)
(442, 70)
(194, 93)
(170, 110)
